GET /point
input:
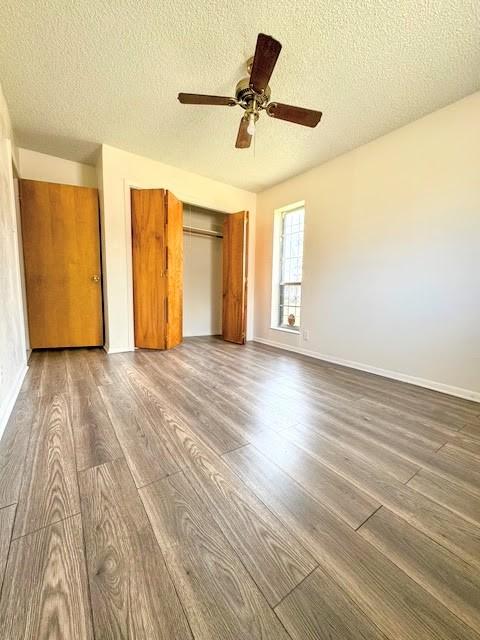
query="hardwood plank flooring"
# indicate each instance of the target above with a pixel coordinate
(80, 381)
(227, 491)
(45, 588)
(94, 435)
(54, 379)
(233, 419)
(143, 447)
(13, 448)
(335, 428)
(7, 515)
(238, 395)
(459, 535)
(271, 554)
(471, 429)
(242, 421)
(401, 459)
(454, 583)
(206, 420)
(50, 489)
(318, 608)
(467, 443)
(404, 418)
(220, 598)
(132, 594)
(467, 460)
(101, 365)
(463, 503)
(340, 496)
(35, 372)
(392, 600)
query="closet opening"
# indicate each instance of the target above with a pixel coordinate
(202, 271)
(189, 270)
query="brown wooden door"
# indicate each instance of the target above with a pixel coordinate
(157, 261)
(61, 247)
(174, 307)
(235, 246)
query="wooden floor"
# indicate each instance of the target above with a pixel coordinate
(219, 491)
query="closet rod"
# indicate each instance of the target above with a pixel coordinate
(203, 232)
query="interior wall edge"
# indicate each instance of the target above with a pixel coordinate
(10, 400)
(111, 350)
(13, 357)
(466, 394)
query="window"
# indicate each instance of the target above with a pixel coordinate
(289, 279)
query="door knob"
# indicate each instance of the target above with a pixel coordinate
(96, 278)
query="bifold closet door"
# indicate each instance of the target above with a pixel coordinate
(174, 306)
(157, 264)
(235, 246)
(61, 248)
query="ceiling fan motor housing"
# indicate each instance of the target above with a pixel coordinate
(246, 95)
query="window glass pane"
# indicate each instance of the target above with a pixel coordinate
(291, 264)
(292, 246)
(290, 303)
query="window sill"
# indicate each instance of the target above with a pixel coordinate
(294, 331)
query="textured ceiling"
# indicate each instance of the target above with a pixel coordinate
(82, 72)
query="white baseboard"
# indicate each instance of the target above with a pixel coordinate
(201, 335)
(111, 350)
(6, 410)
(459, 392)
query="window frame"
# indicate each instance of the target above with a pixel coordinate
(278, 285)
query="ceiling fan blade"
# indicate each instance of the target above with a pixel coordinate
(198, 98)
(264, 60)
(243, 137)
(298, 115)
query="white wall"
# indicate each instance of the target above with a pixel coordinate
(202, 274)
(40, 166)
(392, 254)
(120, 171)
(13, 363)
(18, 218)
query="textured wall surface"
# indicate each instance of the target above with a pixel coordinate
(391, 270)
(12, 337)
(80, 73)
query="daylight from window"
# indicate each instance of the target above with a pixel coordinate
(291, 264)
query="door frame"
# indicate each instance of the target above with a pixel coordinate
(128, 185)
(102, 283)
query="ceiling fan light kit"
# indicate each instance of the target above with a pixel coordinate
(253, 94)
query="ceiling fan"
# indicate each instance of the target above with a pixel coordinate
(252, 94)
